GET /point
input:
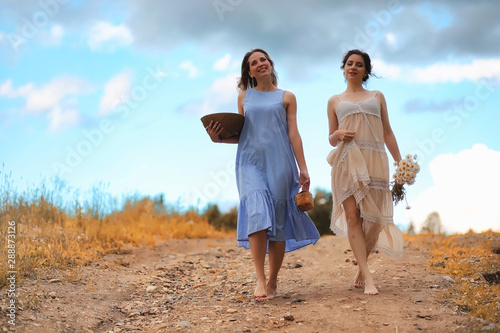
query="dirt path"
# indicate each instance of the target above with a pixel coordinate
(206, 286)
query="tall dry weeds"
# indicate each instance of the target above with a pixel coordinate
(54, 232)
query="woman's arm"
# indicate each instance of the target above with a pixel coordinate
(290, 103)
(214, 129)
(389, 137)
(334, 133)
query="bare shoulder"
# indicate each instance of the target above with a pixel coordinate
(289, 100)
(333, 101)
(288, 95)
(379, 95)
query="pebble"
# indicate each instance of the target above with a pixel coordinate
(151, 289)
(298, 300)
(449, 279)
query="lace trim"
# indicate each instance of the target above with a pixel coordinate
(362, 144)
(376, 219)
(384, 221)
(379, 184)
(365, 179)
(344, 151)
(373, 242)
(345, 114)
(371, 145)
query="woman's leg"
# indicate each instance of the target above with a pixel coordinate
(258, 246)
(358, 244)
(359, 279)
(276, 255)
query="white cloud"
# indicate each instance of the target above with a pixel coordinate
(223, 63)
(116, 92)
(465, 191)
(391, 38)
(382, 69)
(57, 33)
(104, 32)
(440, 72)
(53, 99)
(7, 90)
(51, 94)
(190, 68)
(444, 72)
(221, 96)
(62, 119)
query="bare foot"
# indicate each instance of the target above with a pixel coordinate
(371, 291)
(271, 290)
(370, 288)
(359, 280)
(260, 290)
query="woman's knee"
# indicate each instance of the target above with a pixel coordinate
(353, 217)
(351, 212)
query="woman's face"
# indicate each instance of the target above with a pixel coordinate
(354, 68)
(259, 65)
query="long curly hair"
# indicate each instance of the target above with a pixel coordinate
(245, 81)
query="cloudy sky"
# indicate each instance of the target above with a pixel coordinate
(111, 92)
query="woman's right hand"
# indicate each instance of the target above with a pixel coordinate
(345, 135)
(213, 130)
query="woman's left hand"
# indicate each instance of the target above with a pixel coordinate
(304, 180)
(213, 130)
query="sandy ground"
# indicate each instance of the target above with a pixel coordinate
(207, 286)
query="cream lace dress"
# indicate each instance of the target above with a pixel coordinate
(360, 168)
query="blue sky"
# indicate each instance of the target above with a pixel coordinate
(112, 92)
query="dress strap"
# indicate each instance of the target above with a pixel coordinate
(376, 93)
(340, 99)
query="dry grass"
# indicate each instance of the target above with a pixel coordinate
(466, 258)
(49, 235)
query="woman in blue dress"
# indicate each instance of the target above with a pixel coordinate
(269, 150)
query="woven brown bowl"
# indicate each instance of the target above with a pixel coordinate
(232, 123)
(304, 200)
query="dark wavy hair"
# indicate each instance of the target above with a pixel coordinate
(245, 82)
(366, 58)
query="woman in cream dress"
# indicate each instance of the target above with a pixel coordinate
(359, 130)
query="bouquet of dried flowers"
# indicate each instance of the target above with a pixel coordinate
(406, 172)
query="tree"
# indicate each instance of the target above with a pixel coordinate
(321, 213)
(432, 224)
(221, 221)
(411, 229)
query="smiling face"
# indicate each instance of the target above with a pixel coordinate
(356, 64)
(354, 68)
(259, 65)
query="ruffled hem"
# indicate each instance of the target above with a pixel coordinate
(372, 196)
(282, 219)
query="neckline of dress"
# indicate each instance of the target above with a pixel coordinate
(266, 91)
(341, 100)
